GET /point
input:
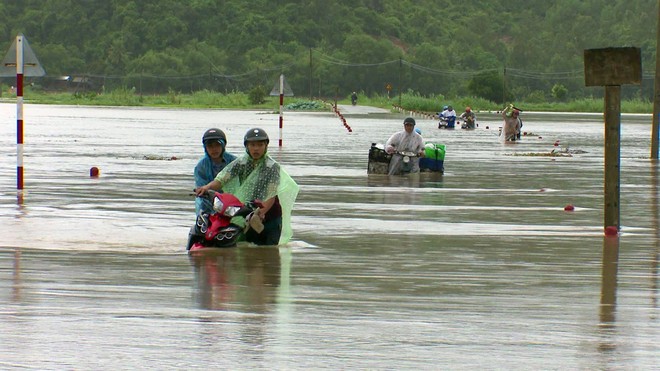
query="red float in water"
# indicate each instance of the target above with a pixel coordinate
(611, 231)
(94, 172)
(569, 207)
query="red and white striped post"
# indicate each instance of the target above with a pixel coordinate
(19, 116)
(281, 106)
(20, 55)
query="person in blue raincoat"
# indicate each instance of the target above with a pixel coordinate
(215, 159)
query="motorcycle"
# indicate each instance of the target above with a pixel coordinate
(447, 122)
(468, 123)
(379, 160)
(406, 161)
(216, 228)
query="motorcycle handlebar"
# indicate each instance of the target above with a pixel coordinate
(209, 193)
(407, 153)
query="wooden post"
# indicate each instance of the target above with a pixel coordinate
(611, 68)
(655, 132)
(612, 154)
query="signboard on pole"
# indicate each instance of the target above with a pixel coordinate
(285, 88)
(31, 65)
(611, 68)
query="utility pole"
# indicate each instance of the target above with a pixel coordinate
(310, 73)
(400, 67)
(504, 84)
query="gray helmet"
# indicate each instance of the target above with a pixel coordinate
(215, 134)
(255, 135)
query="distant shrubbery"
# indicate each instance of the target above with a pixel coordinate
(238, 100)
(305, 106)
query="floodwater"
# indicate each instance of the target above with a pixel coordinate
(479, 268)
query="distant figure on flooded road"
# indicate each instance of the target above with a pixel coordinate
(406, 147)
(512, 124)
(469, 119)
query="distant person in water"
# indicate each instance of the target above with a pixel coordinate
(469, 118)
(447, 118)
(512, 124)
(407, 140)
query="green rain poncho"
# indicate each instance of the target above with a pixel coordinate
(262, 179)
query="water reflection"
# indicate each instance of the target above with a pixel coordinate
(655, 212)
(414, 180)
(609, 281)
(242, 279)
(16, 276)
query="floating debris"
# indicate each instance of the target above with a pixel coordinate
(556, 152)
(542, 154)
(159, 158)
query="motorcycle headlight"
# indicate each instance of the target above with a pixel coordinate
(232, 210)
(217, 205)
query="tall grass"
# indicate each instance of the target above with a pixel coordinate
(239, 100)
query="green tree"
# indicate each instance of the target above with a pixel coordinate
(559, 91)
(488, 85)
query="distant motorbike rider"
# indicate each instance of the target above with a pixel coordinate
(354, 98)
(215, 159)
(469, 117)
(406, 140)
(257, 176)
(447, 118)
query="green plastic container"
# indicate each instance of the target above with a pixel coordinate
(434, 151)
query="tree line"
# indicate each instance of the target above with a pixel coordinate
(499, 50)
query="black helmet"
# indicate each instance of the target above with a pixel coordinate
(255, 135)
(409, 120)
(215, 134)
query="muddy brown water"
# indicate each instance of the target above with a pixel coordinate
(479, 268)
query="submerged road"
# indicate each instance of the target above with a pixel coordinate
(348, 109)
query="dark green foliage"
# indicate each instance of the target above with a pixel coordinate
(559, 91)
(257, 95)
(487, 85)
(305, 106)
(330, 48)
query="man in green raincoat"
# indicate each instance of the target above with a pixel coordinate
(257, 176)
